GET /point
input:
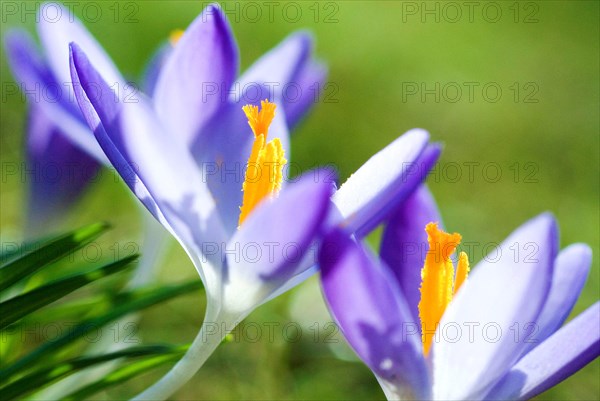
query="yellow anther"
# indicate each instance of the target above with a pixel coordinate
(462, 271)
(174, 36)
(264, 173)
(437, 280)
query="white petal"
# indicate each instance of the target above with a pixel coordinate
(498, 300)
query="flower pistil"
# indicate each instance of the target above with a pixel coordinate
(264, 173)
(438, 282)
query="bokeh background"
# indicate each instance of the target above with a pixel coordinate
(544, 56)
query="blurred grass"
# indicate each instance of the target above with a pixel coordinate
(372, 51)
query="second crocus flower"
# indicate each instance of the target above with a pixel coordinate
(430, 332)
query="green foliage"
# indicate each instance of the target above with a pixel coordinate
(23, 370)
(124, 373)
(24, 304)
(41, 377)
(20, 265)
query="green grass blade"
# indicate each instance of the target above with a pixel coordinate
(124, 374)
(38, 379)
(124, 304)
(24, 264)
(19, 306)
(74, 309)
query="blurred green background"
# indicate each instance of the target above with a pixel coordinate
(544, 56)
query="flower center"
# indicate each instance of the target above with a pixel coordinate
(264, 173)
(438, 282)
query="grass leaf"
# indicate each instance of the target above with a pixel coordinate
(40, 378)
(125, 303)
(21, 305)
(24, 263)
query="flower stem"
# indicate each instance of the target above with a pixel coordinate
(212, 332)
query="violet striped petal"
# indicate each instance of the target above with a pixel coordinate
(501, 295)
(373, 315)
(195, 79)
(268, 248)
(561, 355)
(404, 244)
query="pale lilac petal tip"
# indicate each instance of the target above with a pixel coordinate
(385, 180)
(571, 269)
(561, 355)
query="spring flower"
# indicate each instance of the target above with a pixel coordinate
(59, 132)
(167, 178)
(430, 333)
(62, 138)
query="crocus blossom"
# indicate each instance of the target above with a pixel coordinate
(213, 93)
(59, 132)
(139, 138)
(498, 336)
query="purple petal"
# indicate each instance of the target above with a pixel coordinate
(561, 355)
(290, 76)
(404, 244)
(158, 168)
(196, 78)
(59, 173)
(27, 66)
(384, 181)
(278, 67)
(47, 94)
(101, 110)
(154, 67)
(97, 101)
(501, 295)
(223, 150)
(372, 314)
(58, 27)
(269, 247)
(571, 269)
(292, 220)
(305, 91)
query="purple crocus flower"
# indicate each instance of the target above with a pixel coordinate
(163, 171)
(501, 335)
(60, 140)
